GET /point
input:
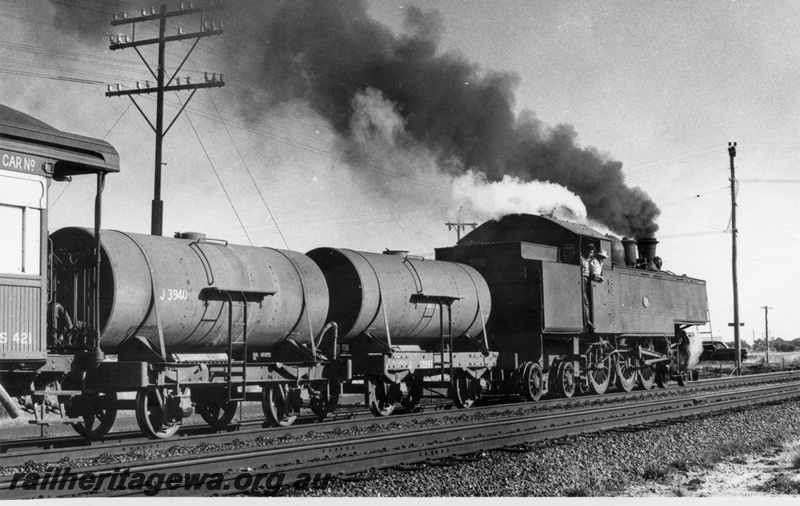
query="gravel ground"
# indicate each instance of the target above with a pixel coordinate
(666, 459)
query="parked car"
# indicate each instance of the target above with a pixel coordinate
(719, 351)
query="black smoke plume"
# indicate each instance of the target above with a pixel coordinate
(326, 52)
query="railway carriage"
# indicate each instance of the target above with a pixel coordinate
(32, 155)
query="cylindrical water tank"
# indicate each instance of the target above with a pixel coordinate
(408, 287)
(142, 274)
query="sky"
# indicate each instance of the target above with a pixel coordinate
(651, 92)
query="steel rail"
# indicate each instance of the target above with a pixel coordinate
(16, 453)
(360, 453)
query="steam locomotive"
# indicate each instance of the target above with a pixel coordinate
(196, 324)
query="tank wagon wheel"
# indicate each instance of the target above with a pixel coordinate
(532, 382)
(276, 406)
(215, 411)
(98, 412)
(465, 390)
(150, 414)
(414, 396)
(379, 397)
(599, 373)
(626, 374)
(565, 379)
(647, 377)
(327, 402)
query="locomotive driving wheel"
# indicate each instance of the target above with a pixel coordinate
(380, 397)
(662, 376)
(465, 389)
(275, 402)
(647, 377)
(98, 412)
(599, 373)
(328, 400)
(625, 372)
(150, 414)
(532, 382)
(215, 410)
(565, 379)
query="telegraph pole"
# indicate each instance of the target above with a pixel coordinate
(734, 232)
(207, 29)
(459, 226)
(766, 330)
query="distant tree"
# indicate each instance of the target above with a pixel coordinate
(744, 344)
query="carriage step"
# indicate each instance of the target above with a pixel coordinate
(70, 393)
(55, 421)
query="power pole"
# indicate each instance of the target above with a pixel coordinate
(207, 29)
(734, 232)
(766, 330)
(459, 226)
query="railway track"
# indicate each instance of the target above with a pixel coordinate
(18, 452)
(289, 462)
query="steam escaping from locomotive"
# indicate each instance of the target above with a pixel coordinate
(695, 350)
(485, 199)
(380, 142)
(321, 56)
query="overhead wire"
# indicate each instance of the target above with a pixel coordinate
(247, 169)
(104, 138)
(214, 169)
(649, 165)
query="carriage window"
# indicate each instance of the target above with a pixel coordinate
(20, 240)
(33, 242)
(11, 240)
(21, 199)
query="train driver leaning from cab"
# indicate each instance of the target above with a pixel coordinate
(596, 266)
(591, 272)
(586, 259)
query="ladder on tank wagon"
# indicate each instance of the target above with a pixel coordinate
(236, 367)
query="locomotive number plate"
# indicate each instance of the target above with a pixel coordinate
(478, 262)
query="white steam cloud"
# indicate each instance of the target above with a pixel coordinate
(695, 350)
(380, 152)
(491, 199)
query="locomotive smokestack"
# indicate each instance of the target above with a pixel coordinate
(647, 250)
(630, 251)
